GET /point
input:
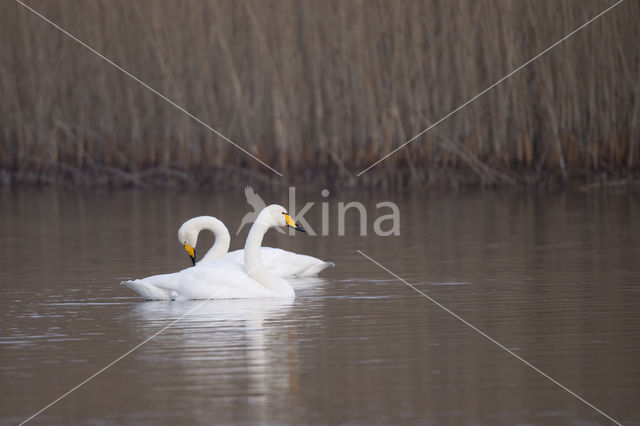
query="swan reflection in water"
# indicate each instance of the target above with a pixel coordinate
(222, 350)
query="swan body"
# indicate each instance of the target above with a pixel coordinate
(217, 280)
(285, 263)
(224, 279)
(279, 262)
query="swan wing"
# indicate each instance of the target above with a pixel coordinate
(283, 263)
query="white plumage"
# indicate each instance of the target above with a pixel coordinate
(279, 262)
(224, 279)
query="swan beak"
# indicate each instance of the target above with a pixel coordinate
(191, 251)
(292, 224)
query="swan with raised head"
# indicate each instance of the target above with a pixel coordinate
(279, 262)
(223, 279)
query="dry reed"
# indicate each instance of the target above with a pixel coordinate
(319, 90)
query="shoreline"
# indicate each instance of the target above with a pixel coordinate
(212, 179)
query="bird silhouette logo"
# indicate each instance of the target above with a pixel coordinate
(257, 203)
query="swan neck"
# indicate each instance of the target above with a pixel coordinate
(252, 259)
(221, 242)
(255, 268)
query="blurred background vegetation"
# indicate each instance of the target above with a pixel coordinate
(319, 90)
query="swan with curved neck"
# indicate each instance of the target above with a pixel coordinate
(287, 265)
(188, 236)
(223, 279)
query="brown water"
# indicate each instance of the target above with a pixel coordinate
(553, 278)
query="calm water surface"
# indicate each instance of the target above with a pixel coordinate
(553, 278)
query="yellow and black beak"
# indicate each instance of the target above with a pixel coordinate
(191, 251)
(292, 224)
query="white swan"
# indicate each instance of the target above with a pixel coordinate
(279, 262)
(223, 279)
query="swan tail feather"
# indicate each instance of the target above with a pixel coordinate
(147, 291)
(314, 270)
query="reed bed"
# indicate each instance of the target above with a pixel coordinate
(319, 90)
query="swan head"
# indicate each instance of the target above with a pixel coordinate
(277, 216)
(188, 236)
